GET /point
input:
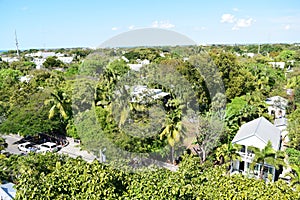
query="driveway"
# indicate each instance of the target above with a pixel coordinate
(73, 148)
(10, 140)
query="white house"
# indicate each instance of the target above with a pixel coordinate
(255, 133)
(281, 123)
(135, 67)
(66, 60)
(277, 64)
(7, 191)
(141, 93)
(39, 62)
(277, 105)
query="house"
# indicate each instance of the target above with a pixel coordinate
(142, 94)
(135, 67)
(250, 55)
(39, 62)
(277, 106)
(255, 133)
(277, 64)
(281, 123)
(66, 60)
(7, 191)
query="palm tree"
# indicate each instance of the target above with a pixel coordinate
(60, 103)
(227, 153)
(173, 128)
(295, 176)
(267, 155)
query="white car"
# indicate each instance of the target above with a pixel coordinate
(48, 147)
(27, 147)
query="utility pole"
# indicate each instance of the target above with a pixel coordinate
(17, 44)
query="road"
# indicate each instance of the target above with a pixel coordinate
(73, 150)
(10, 140)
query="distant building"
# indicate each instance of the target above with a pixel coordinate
(141, 93)
(251, 55)
(277, 64)
(25, 78)
(277, 106)
(125, 59)
(66, 60)
(135, 67)
(10, 59)
(38, 62)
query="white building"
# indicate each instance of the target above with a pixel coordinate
(277, 106)
(7, 191)
(255, 133)
(277, 64)
(39, 62)
(66, 60)
(141, 93)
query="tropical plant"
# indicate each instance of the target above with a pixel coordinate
(61, 104)
(295, 176)
(173, 129)
(267, 155)
(228, 153)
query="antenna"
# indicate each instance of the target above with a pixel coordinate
(17, 44)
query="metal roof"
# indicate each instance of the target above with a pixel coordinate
(260, 130)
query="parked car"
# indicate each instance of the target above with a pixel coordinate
(48, 147)
(27, 147)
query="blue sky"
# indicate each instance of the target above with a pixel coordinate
(88, 23)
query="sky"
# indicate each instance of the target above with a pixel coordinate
(89, 23)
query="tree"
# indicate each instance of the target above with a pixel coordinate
(51, 63)
(295, 176)
(210, 131)
(267, 155)
(294, 129)
(61, 103)
(173, 127)
(228, 153)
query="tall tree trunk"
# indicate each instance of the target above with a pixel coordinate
(172, 154)
(262, 171)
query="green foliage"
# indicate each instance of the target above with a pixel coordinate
(23, 66)
(9, 77)
(52, 176)
(293, 155)
(142, 53)
(267, 155)
(294, 129)
(52, 63)
(31, 118)
(242, 110)
(286, 55)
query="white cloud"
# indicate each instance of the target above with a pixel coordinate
(287, 27)
(238, 22)
(131, 27)
(242, 23)
(235, 9)
(114, 28)
(227, 18)
(162, 24)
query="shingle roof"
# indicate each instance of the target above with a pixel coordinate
(260, 128)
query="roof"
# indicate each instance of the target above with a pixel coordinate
(277, 101)
(257, 133)
(280, 122)
(7, 191)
